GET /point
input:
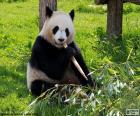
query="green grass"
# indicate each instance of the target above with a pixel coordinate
(110, 61)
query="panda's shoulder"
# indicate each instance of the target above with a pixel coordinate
(74, 45)
(39, 41)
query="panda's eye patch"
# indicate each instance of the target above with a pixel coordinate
(55, 29)
(67, 32)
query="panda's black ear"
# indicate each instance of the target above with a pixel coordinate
(72, 14)
(49, 12)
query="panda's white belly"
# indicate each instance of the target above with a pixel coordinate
(34, 74)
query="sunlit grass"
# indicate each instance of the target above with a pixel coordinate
(18, 29)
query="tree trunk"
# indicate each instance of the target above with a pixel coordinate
(114, 18)
(52, 4)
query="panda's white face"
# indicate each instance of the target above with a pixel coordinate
(58, 29)
(60, 36)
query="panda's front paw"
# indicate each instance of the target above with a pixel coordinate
(70, 51)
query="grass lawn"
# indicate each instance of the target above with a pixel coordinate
(112, 62)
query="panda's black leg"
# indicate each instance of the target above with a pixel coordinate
(40, 86)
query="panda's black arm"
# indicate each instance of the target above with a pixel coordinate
(78, 56)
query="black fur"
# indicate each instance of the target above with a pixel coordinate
(49, 12)
(67, 32)
(54, 61)
(49, 59)
(55, 29)
(72, 14)
(40, 86)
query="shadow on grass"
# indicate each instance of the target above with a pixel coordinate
(117, 49)
(12, 81)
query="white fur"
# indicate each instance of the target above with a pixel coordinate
(63, 21)
(34, 74)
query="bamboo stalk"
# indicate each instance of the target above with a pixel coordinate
(77, 65)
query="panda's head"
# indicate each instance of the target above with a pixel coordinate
(58, 27)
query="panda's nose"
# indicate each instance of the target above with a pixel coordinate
(61, 39)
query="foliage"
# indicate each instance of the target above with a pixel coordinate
(115, 63)
(117, 93)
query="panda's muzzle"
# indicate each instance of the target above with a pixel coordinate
(59, 44)
(61, 39)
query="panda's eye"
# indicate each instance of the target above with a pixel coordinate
(55, 29)
(67, 32)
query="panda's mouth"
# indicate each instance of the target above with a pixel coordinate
(59, 44)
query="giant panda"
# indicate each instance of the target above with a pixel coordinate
(50, 63)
